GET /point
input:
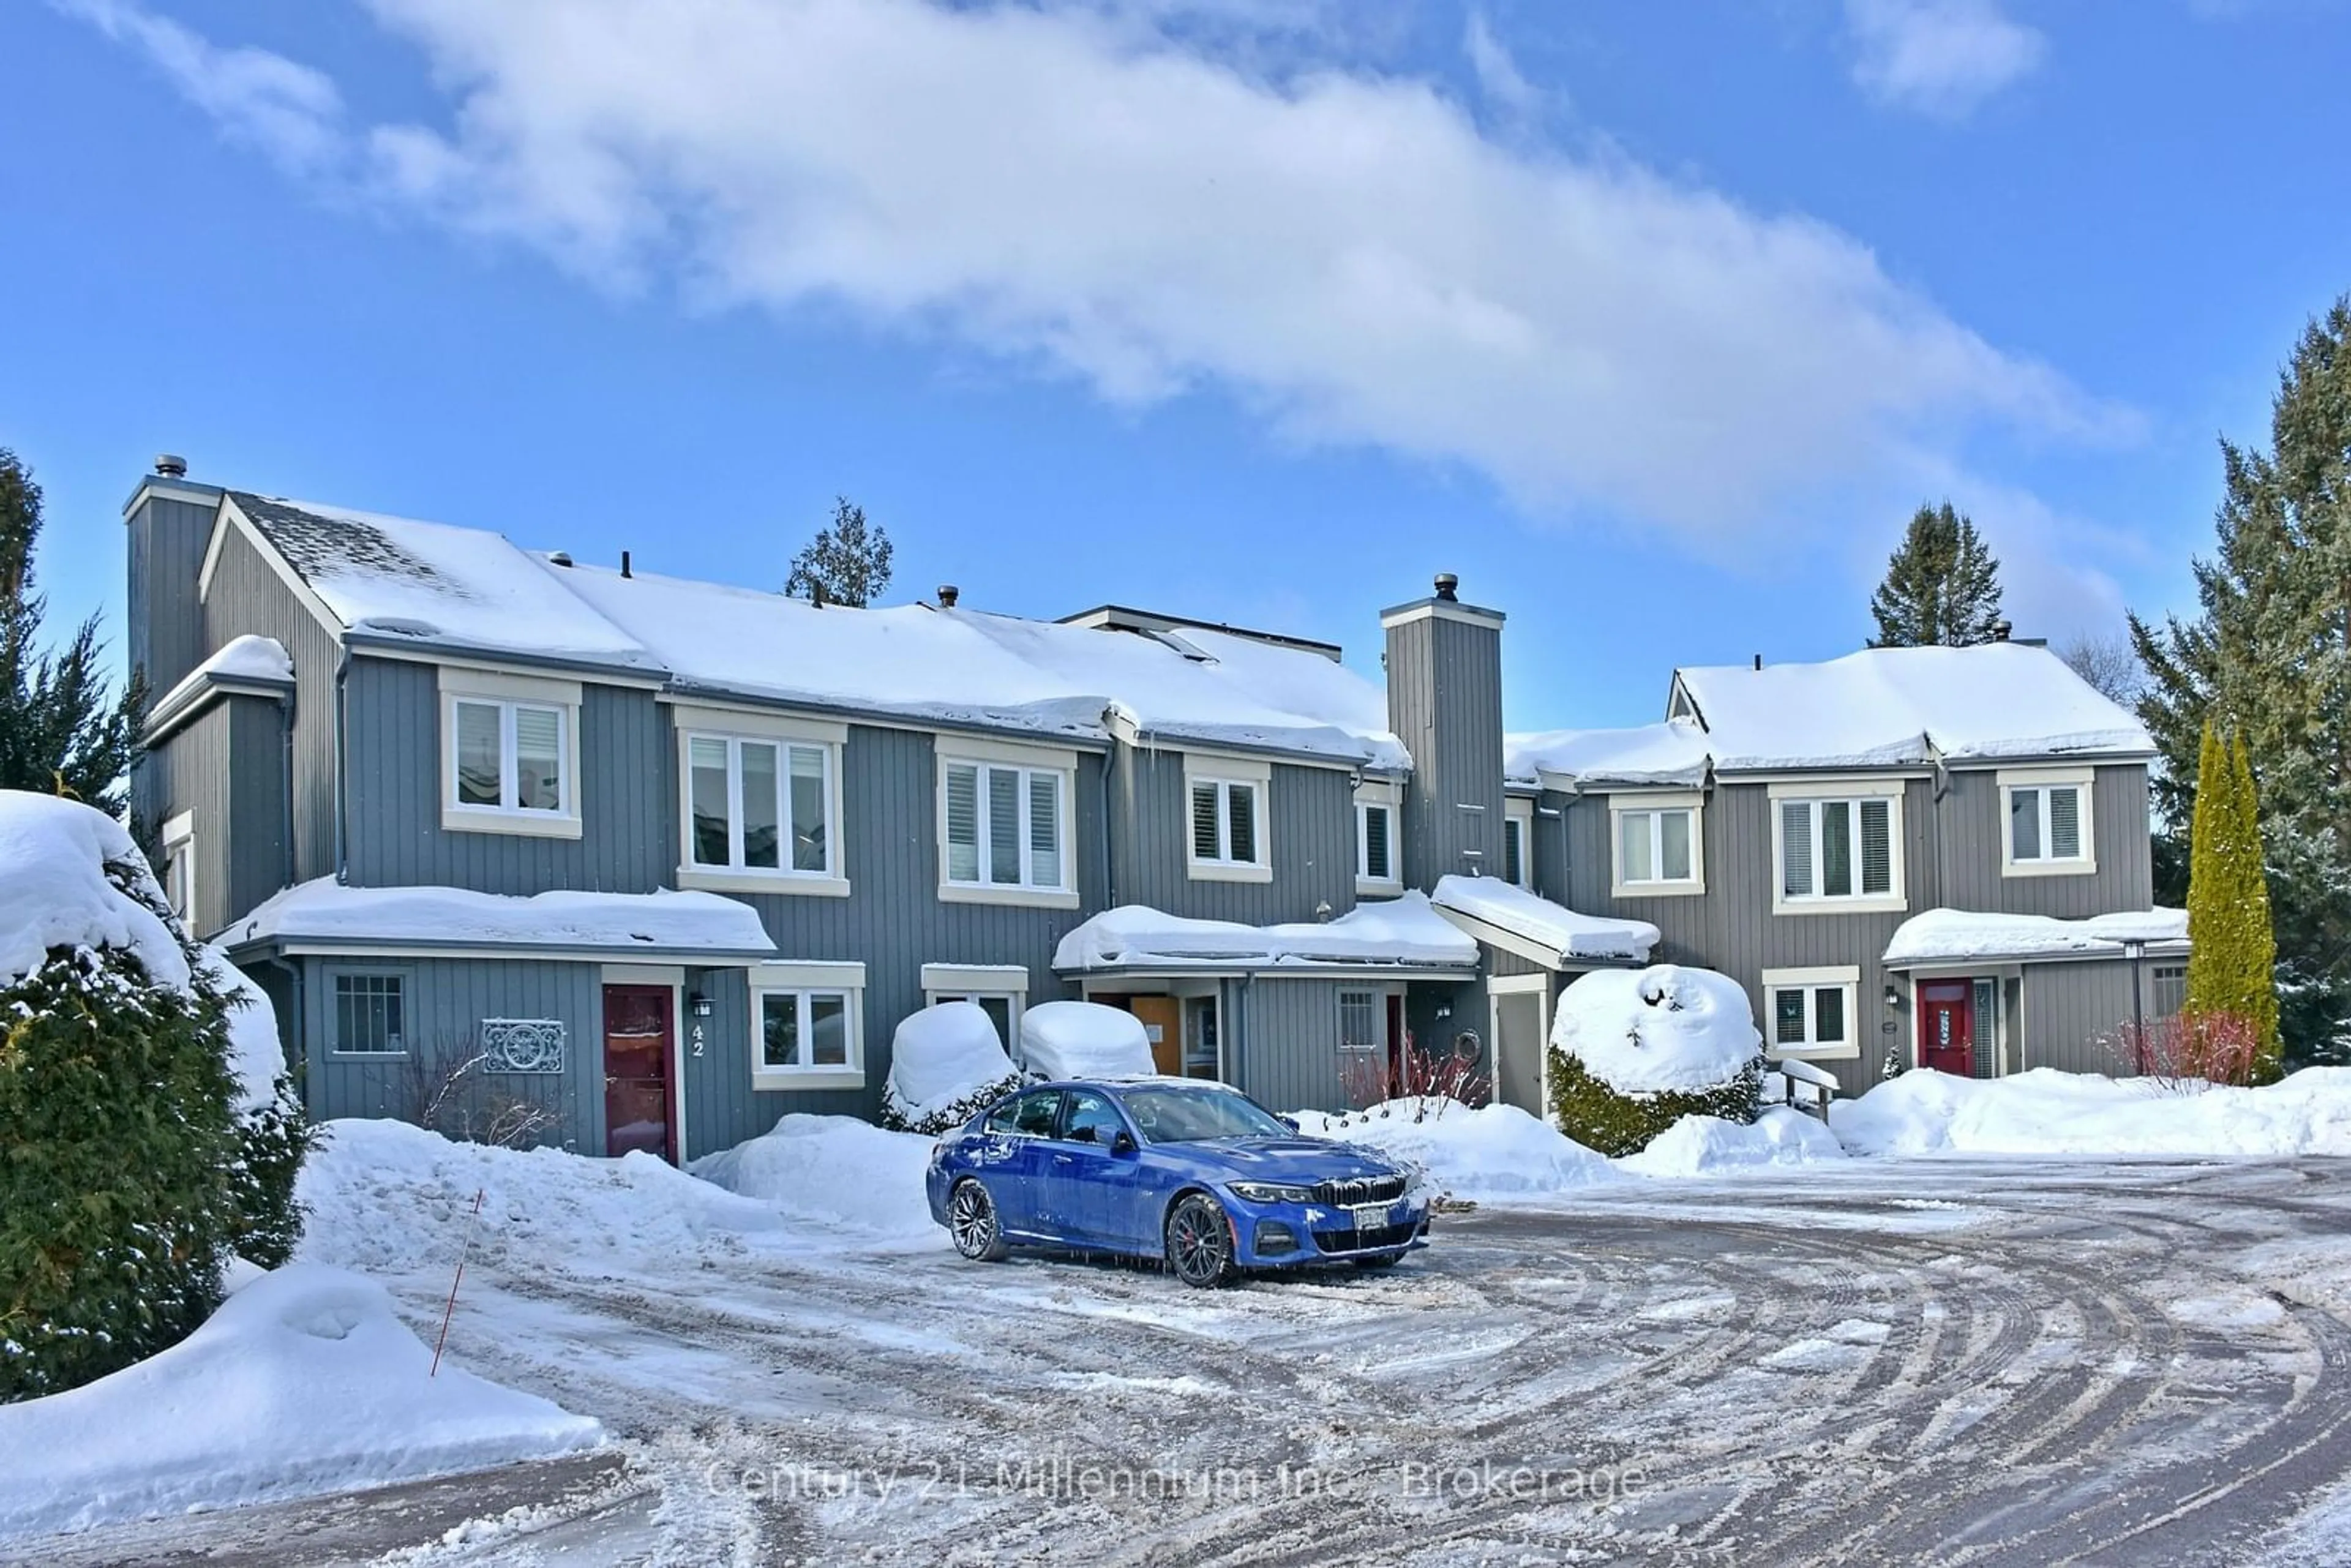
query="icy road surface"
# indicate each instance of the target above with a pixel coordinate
(1918, 1361)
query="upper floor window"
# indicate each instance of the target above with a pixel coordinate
(2045, 822)
(1517, 844)
(1837, 851)
(1376, 854)
(1656, 845)
(511, 754)
(1004, 827)
(762, 795)
(1225, 801)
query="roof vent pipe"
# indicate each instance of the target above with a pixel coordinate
(624, 565)
(947, 594)
(1758, 663)
(559, 558)
(1445, 585)
(170, 466)
(2001, 629)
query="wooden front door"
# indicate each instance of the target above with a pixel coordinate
(638, 1020)
(1947, 1031)
(1163, 1021)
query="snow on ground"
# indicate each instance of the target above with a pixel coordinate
(1085, 1039)
(1488, 1154)
(1709, 1145)
(2045, 1111)
(835, 1171)
(942, 1055)
(1664, 1028)
(54, 892)
(302, 1381)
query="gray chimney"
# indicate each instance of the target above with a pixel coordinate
(947, 594)
(1444, 660)
(170, 466)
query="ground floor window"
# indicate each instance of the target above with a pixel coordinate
(807, 1026)
(1360, 1017)
(803, 1029)
(1000, 990)
(1201, 1055)
(2170, 990)
(370, 1014)
(1809, 1012)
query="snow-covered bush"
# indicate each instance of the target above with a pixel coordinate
(945, 1064)
(1085, 1039)
(1633, 1052)
(146, 1134)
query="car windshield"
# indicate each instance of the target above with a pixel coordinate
(1192, 1115)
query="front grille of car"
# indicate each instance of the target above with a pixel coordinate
(1360, 1240)
(1360, 1190)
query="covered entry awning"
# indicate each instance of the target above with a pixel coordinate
(326, 917)
(1503, 914)
(1946, 937)
(1399, 939)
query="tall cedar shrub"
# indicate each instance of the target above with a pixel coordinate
(2267, 657)
(1615, 1123)
(1941, 586)
(2230, 965)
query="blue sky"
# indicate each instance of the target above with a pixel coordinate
(1653, 322)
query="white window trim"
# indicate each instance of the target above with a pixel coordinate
(1846, 977)
(459, 684)
(797, 979)
(180, 841)
(957, 751)
(1690, 800)
(1382, 793)
(1891, 903)
(1206, 768)
(734, 726)
(1522, 813)
(2084, 780)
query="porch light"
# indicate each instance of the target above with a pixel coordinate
(1893, 996)
(700, 1004)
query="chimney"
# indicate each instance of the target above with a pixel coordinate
(169, 521)
(170, 466)
(1444, 662)
(2000, 630)
(1758, 663)
(624, 565)
(947, 594)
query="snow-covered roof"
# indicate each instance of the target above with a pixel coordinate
(325, 914)
(1670, 753)
(245, 663)
(1959, 935)
(1562, 934)
(1404, 933)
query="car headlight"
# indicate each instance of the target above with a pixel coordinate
(1271, 1192)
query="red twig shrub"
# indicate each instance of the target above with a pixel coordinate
(1426, 1079)
(2189, 1048)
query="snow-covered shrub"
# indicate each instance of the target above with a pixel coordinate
(135, 1160)
(1633, 1052)
(1085, 1039)
(945, 1064)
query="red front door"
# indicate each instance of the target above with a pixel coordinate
(1947, 1031)
(637, 1023)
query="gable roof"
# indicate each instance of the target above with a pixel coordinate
(1880, 708)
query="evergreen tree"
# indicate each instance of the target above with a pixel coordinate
(1941, 587)
(2267, 657)
(847, 563)
(2230, 966)
(2259, 932)
(60, 730)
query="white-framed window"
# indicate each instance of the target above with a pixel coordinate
(1379, 870)
(1001, 990)
(1519, 843)
(1838, 851)
(1656, 849)
(1004, 834)
(367, 1012)
(1810, 1013)
(2169, 985)
(2045, 829)
(808, 1026)
(1363, 1020)
(180, 869)
(510, 753)
(1225, 819)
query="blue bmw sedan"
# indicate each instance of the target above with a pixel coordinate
(1193, 1172)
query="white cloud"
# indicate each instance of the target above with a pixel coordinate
(1499, 76)
(1082, 192)
(1940, 57)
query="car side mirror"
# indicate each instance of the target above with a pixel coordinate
(1122, 1142)
(1289, 1122)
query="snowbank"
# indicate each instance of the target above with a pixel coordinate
(254, 1056)
(1656, 1030)
(1511, 908)
(833, 1171)
(390, 1198)
(943, 1056)
(1085, 1039)
(54, 892)
(303, 1382)
(1709, 1145)
(2045, 1111)
(1488, 1154)
(1944, 935)
(699, 924)
(1404, 932)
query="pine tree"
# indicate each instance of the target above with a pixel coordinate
(2268, 656)
(1941, 587)
(847, 563)
(60, 731)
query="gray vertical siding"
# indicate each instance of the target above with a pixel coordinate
(394, 837)
(446, 1000)
(1289, 1030)
(226, 769)
(2070, 1014)
(1310, 828)
(1444, 701)
(247, 597)
(2119, 836)
(166, 632)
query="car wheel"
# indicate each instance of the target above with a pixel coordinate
(1199, 1242)
(1389, 1262)
(971, 1220)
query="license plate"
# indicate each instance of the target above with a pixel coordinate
(1370, 1216)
